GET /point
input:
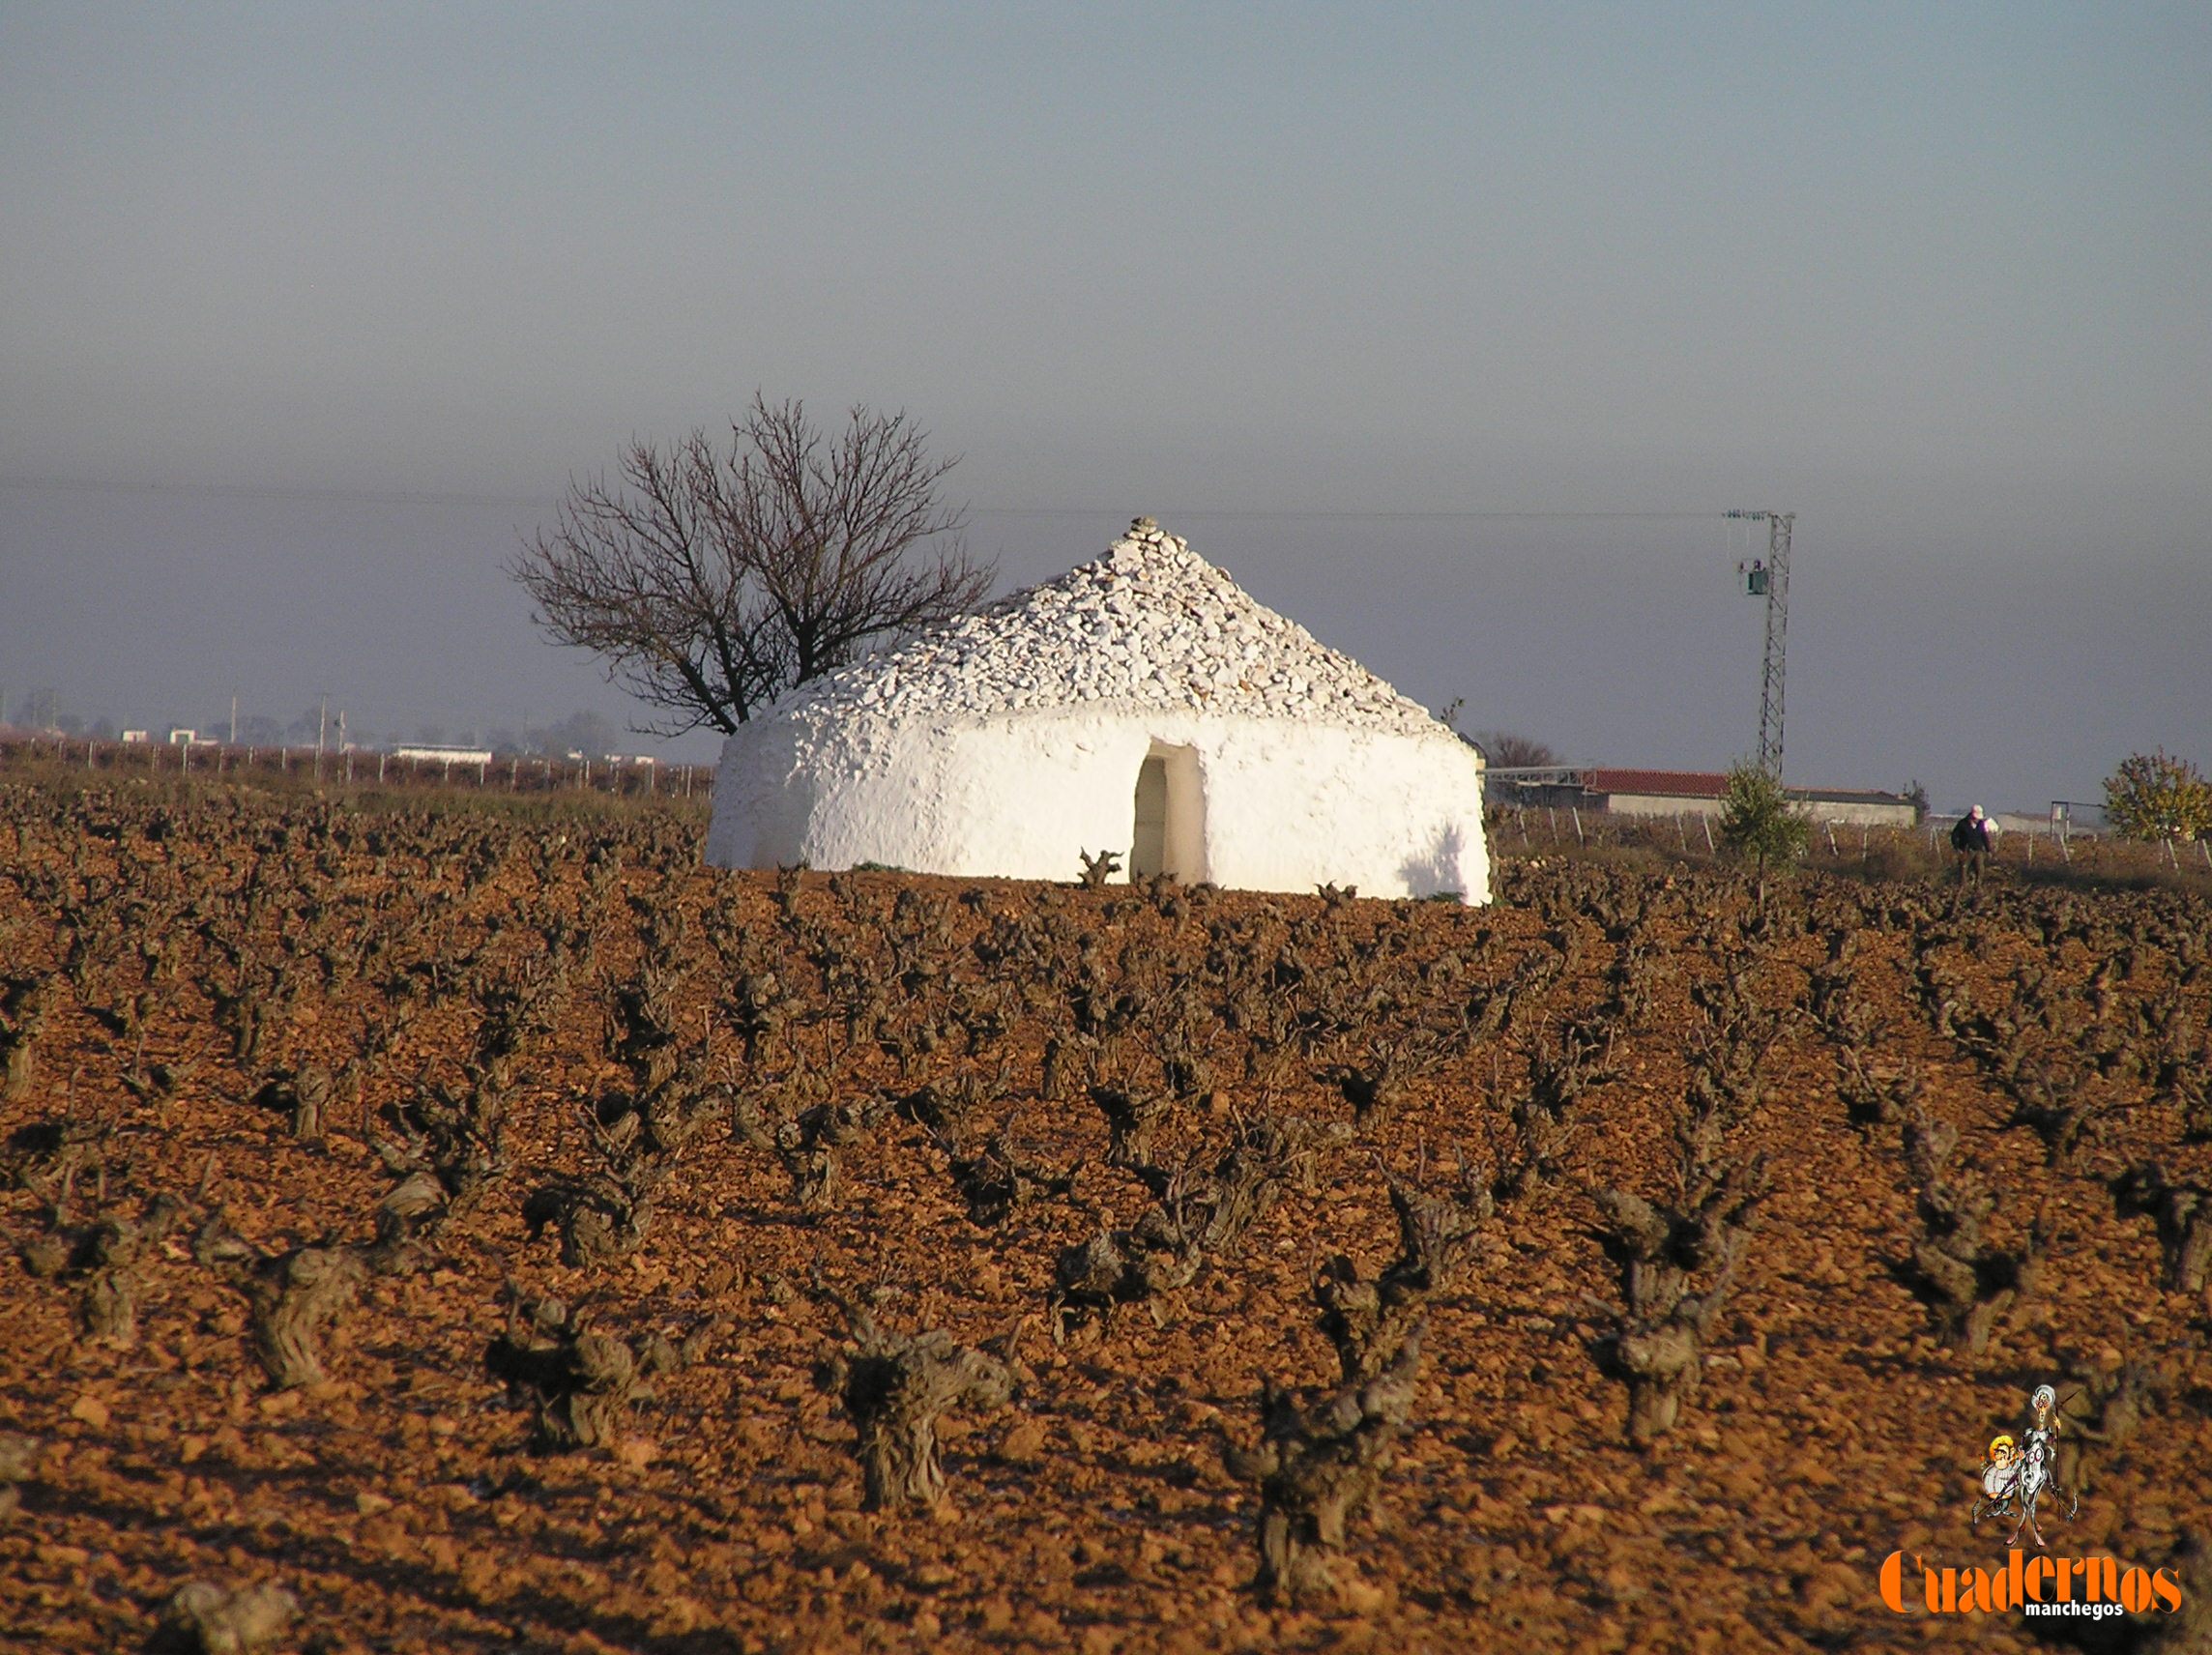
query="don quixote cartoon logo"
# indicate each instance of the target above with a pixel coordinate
(2018, 1493)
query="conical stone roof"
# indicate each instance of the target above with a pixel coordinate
(1150, 624)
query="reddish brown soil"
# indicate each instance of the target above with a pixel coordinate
(403, 1504)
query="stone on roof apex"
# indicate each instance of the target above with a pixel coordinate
(1144, 541)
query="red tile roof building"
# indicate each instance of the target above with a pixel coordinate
(1666, 784)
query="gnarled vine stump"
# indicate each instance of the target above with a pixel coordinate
(582, 1383)
(1317, 1467)
(295, 1296)
(896, 1387)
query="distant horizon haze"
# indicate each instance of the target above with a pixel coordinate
(1450, 333)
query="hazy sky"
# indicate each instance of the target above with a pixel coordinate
(306, 311)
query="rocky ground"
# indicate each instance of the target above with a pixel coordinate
(477, 1229)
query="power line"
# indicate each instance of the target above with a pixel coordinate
(259, 491)
(431, 497)
(1180, 514)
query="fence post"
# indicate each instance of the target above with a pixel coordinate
(1707, 823)
(1829, 829)
(1577, 816)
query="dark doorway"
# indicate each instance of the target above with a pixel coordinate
(1148, 855)
(1169, 834)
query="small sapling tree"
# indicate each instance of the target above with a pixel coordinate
(2155, 796)
(1757, 822)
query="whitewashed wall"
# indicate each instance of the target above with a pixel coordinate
(1284, 807)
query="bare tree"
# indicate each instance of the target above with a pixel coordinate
(1507, 752)
(714, 582)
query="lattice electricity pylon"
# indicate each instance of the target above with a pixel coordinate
(1771, 579)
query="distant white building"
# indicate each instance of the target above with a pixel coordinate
(433, 753)
(1699, 793)
(1142, 704)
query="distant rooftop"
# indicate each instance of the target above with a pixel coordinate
(1666, 784)
(1711, 784)
(442, 750)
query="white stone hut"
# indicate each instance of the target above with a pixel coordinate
(1141, 704)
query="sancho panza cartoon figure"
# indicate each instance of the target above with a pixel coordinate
(2015, 1475)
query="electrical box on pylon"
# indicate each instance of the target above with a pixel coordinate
(1768, 577)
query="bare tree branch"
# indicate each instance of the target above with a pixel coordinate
(711, 583)
(1506, 750)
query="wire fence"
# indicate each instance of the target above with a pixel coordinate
(501, 773)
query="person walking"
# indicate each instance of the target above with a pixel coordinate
(1973, 836)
